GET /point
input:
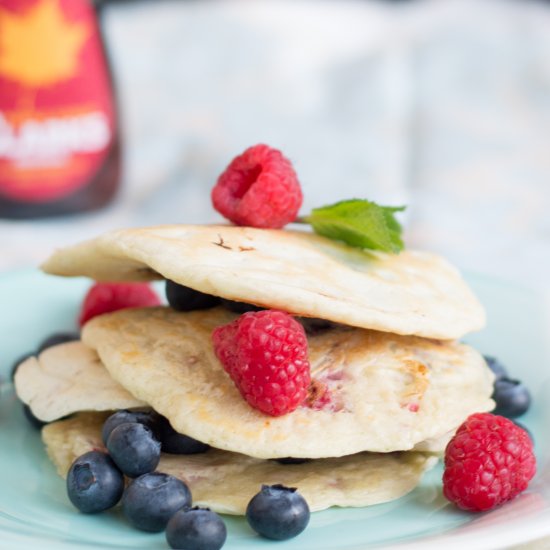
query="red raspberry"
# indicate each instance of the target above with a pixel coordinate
(259, 188)
(489, 461)
(265, 353)
(107, 297)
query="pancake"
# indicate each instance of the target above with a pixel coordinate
(408, 293)
(371, 391)
(68, 378)
(225, 482)
(72, 379)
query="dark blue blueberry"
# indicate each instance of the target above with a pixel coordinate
(239, 307)
(18, 362)
(496, 366)
(512, 398)
(134, 449)
(147, 418)
(175, 443)
(291, 460)
(183, 298)
(58, 338)
(94, 483)
(278, 512)
(152, 499)
(196, 529)
(33, 420)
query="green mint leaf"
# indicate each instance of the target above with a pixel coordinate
(359, 223)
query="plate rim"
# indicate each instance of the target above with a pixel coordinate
(539, 526)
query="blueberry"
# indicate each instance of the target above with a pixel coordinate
(239, 307)
(94, 483)
(183, 298)
(58, 338)
(176, 443)
(19, 361)
(314, 326)
(33, 420)
(134, 449)
(278, 512)
(496, 366)
(512, 398)
(152, 499)
(291, 460)
(147, 418)
(196, 529)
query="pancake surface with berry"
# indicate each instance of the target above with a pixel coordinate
(225, 482)
(302, 273)
(370, 391)
(72, 379)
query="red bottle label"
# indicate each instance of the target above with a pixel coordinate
(56, 106)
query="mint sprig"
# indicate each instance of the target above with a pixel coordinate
(359, 223)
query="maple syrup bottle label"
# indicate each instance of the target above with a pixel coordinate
(57, 113)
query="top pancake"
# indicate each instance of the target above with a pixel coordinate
(415, 293)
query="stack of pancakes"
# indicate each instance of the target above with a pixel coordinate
(395, 382)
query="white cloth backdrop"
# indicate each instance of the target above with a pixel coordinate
(443, 105)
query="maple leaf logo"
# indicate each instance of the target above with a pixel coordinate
(40, 47)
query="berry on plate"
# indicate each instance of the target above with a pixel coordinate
(152, 499)
(183, 298)
(489, 461)
(239, 307)
(108, 297)
(512, 398)
(148, 418)
(278, 512)
(175, 443)
(94, 483)
(499, 370)
(196, 529)
(134, 449)
(290, 460)
(265, 354)
(259, 188)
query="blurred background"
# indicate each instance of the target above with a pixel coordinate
(443, 105)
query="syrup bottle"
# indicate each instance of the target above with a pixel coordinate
(59, 141)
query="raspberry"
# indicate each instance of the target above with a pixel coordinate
(489, 461)
(265, 354)
(107, 297)
(259, 188)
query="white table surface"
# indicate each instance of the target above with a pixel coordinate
(443, 105)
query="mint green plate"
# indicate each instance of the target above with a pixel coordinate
(35, 513)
